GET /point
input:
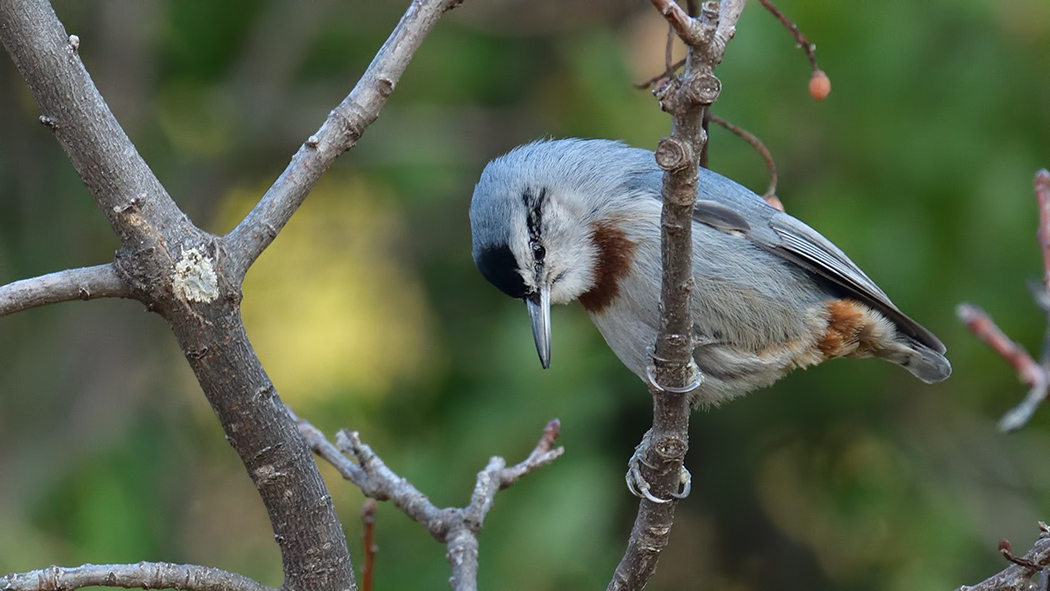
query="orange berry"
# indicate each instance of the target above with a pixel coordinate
(819, 85)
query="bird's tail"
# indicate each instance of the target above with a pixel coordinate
(923, 362)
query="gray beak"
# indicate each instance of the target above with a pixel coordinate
(539, 305)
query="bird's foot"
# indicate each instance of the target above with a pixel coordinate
(639, 486)
(697, 376)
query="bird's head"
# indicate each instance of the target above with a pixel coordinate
(533, 234)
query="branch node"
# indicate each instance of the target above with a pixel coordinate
(704, 89)
(673, 155)
(50, 122)
(385, 86)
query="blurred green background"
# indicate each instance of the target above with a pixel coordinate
(368, 313)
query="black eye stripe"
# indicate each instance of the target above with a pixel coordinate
(501, 269)
(534, 212)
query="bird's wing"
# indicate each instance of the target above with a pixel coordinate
(740, 211)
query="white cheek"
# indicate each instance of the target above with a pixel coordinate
(575, 277)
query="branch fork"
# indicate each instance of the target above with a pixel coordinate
(457, 528)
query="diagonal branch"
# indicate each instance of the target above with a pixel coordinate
(1018, 576)
(457, 528)
(124, 187)
(193, 279)
(86, 283)
(144, 575)
(344, 126)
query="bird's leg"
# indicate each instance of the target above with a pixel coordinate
(637, 484)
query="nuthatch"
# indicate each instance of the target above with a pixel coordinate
(562, 220)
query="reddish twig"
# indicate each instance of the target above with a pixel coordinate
(790, 25)
(1042, 195)
(984, 328)
(368, 541)
(771, 193)
(1034, 375)
(819, 83)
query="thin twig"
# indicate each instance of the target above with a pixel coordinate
(456, 528)
(368, 543)
(661, 77)
(984, 328)
(1042, 194)
(86, 283)
(1034, 375)
(340, 131)
(790, 25)
(771, 193)
(1028, 371)
(1018, 575)
(144, 575)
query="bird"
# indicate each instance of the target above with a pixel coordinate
(559, 220)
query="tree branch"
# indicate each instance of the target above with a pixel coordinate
(72, 108)
(457, 528)
(1034, 375)
(756, 144)
(344, 126)
(193, 279)
(1017, 576)
(87, 283)
(674, 374)
(144, 575)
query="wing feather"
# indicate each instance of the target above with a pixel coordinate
(739, 211)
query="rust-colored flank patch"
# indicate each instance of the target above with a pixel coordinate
(615, 256)
(851, 332)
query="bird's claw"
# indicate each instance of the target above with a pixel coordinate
(697, 376)
(639, 486)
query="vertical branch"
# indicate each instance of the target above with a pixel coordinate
(673, 374)
(1042, 195)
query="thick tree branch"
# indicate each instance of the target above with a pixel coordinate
(87, 283)
(194, 279)
(119, 179)
(457, 528)
(144, 575)
(674, 374)
(184, 274)
(344, 126)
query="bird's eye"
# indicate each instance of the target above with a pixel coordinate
(538, 251)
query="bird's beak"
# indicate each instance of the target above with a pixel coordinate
(539, 304)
